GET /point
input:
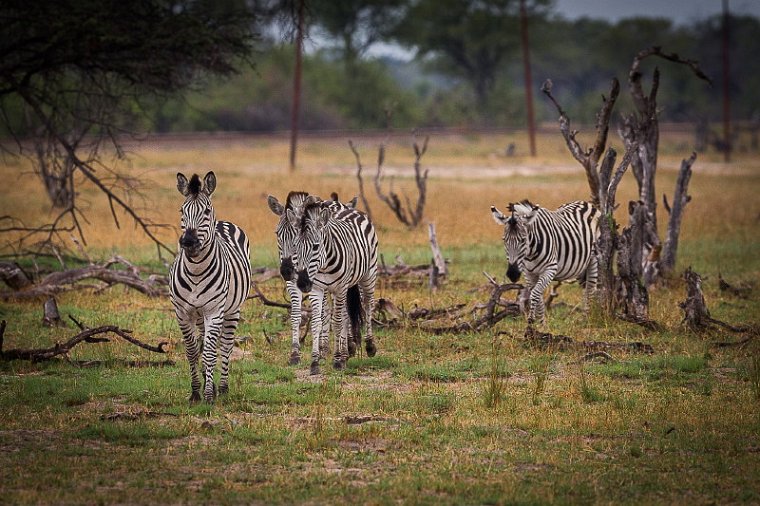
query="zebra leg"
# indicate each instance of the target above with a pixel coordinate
(295, 322)
(192, 351)
(213, 330)
(340, 323)
(368, 304)
(537, 304)
(524, 300)
(226, 343)
(317, 299)
(324, 336)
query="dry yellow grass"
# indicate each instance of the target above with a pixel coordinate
(467, 175)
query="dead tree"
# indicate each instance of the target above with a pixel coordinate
(603, 185)
(408, 214)
(670, 249)
(640, 132)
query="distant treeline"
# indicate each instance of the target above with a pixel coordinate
(580, 57)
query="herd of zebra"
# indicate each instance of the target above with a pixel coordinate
(331, 248)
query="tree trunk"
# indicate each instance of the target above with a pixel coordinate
(634, 295)
(680, 199)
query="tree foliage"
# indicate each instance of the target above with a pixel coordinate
(73, 70)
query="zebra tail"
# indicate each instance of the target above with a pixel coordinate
(355, 313)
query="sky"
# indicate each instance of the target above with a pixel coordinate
(681, 11)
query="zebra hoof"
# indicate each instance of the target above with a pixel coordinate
(223, 389)
(371, 348)
(295, 358)
(351, 349)
(314, 368)
(339, 365)
(195, 397)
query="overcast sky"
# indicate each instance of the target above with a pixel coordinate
(681, 11)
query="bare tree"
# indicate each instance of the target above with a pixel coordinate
(641, 133)
(603, 184)
(408, 214)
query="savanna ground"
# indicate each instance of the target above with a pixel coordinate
(469, 418)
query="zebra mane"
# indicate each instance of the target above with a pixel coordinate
(523, 208)
(295, 199)
(194, 187)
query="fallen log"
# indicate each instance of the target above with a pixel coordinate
(154, 285)
(86, 335)
(534, 337)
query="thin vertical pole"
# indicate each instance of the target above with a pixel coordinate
(726, 83)
(295, 112)
(528, 78)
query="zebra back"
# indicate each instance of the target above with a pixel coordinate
(564, 238)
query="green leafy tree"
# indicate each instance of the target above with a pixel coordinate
(469, 40)
(73, 70)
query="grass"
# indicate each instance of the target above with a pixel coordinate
(471, 418)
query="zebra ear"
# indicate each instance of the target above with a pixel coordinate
(311, 199)
(498, 217)
(352, 203)
(292, 218)
(275, 205)
(182, 184)
(209, 182)
(324, 215)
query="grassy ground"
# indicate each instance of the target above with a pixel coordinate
(469, 418)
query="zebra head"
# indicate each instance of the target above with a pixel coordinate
(285, 231)
(198, 218)
(515, 240)
(309, 240)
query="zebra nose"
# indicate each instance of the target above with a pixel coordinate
(304, 283)
(286, 269)
(513, 272)
(189, 239)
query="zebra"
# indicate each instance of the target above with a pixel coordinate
(334, 252)
(209, 280)
(286, 233)
(549, 245)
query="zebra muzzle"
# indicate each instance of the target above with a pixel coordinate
(189, 242)
(513, 272)
(287, 269)
(304, 283)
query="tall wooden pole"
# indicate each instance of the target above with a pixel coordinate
(528, 77)
(295, 112)
(726, 83)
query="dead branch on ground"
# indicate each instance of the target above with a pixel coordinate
(534, 337)
(86, 336)
(153, 286)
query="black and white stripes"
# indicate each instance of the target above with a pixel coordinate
(549, 245)
(209, 281)
(334, 251)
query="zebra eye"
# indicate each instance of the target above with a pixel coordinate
(207, 211)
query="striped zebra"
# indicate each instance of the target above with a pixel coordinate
(286, 233)
(549, 245)
(334, 252)
(209, 281)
